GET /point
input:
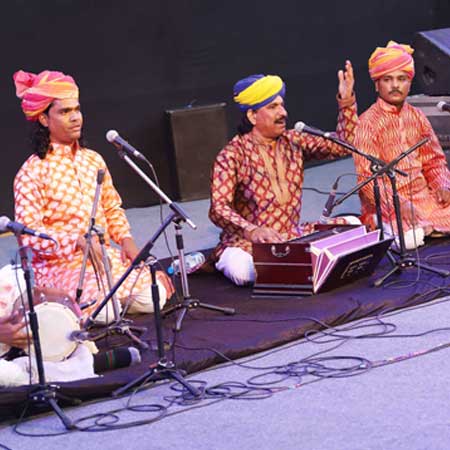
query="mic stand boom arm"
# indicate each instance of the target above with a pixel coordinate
(405, 260)
(380, 167)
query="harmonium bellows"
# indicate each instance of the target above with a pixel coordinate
(321, 261)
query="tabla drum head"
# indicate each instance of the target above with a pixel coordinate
(56, 324)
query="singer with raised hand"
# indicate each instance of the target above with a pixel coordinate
(54, 193)
(390, 126)
(256, 186)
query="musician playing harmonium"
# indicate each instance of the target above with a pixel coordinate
(256, 186)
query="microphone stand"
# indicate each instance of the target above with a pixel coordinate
(120, 325)
(164, 367)
(380, 168)
(188, 302)
(43, 392)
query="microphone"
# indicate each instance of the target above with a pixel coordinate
(18, 228)
(114, 138)
(116, 359)
(443, 106)
(301, 127)
(329, 205)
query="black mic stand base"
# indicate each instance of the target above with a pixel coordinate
(406, 262)
(188, 302)
(48, 395)
(121, 328)
(191, 303)
(163, 369)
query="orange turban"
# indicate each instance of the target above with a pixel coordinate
(390, 58)
(38, 91)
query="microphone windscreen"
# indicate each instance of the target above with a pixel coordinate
(116, 358)
(443, 106)
(4, 221)
(299, 126)
(111, 135)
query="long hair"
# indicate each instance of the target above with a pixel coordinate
(40, 138)
(245, 126)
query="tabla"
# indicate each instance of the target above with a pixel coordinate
(58, 317)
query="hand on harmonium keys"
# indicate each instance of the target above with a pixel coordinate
(263, 235)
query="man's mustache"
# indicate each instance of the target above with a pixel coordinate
(396, 91)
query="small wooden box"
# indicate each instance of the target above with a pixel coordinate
(286, 269)
(283, 269)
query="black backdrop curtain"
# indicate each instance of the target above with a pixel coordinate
(134, 60)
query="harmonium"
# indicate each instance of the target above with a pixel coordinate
(328, 258)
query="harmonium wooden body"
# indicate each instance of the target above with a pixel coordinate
(326, 259)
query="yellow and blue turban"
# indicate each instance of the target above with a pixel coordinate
(390, 58)
(256, 91)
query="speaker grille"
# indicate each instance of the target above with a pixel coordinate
(197, 135)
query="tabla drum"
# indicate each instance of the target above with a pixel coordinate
(58, 317)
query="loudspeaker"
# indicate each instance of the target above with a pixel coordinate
(439, 120)
(197, 134)
(432, 61)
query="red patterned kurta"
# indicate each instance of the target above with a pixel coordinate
(242, 194)
(55, 195)
(385, 132)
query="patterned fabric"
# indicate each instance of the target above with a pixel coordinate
(256, 91)
(385, 132)
(55, 196)
(242, 193)
(391, 58)
(38, 91)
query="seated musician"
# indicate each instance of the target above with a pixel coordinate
(12, 332)
(16, 369)
(54, 193)
(389, 127)
(256, 186)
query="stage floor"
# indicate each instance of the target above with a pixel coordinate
(259, 323)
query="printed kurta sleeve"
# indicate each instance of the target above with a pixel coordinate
(435, 168)
(118, 226)
(315, 147)
(224, 181)
(29, 210)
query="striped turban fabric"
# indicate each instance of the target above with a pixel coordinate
(391, 58)
(256, 91)
(38, 91)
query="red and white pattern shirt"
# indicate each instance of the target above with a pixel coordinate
(242, 188)
(385, 132)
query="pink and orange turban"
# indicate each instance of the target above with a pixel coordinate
(390, 58)
(38, 91)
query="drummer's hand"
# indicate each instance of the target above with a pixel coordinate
(129, 250)
(443, 197)
(95, 252)
(12, 332)
(163, 278)
(263, 234)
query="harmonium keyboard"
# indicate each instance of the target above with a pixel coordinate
(323, 260)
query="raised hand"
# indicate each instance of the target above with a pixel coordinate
(346, 81)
